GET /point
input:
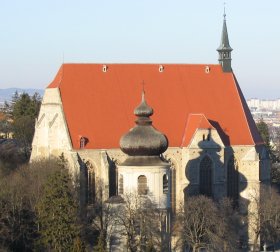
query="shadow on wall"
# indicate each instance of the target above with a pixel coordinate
(210, 176)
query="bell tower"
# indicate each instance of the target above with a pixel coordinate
(224, 49)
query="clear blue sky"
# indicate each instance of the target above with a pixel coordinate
(34, 35)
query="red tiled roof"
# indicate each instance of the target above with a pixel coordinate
(194, 122)
(99, 105)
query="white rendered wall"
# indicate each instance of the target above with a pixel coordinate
(154, 175)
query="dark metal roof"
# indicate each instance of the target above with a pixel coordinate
(224, 46)
(143, 139)
(143, 109)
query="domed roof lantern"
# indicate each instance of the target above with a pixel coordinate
(143, 140)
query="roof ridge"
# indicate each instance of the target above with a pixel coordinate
(184, 135)
(136, 63)
(204, 116)
(201, 117)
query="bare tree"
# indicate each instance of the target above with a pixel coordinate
(265, 216)
(128, 219)
(142, 224)
(270, 218)
(202, 224)
(101, 217)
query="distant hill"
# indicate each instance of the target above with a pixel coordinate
(7, 93)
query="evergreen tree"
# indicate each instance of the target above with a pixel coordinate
(264, 132)
(23, 131)
(57, 213)
(24, 105)
(23, 112)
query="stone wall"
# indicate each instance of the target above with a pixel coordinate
(51, 133)
(52, 138)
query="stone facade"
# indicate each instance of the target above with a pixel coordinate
(52, 138)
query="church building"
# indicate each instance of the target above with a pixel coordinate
(213, 145)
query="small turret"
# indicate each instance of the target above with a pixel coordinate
(224, 49)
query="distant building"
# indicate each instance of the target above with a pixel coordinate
(259, 104)
(214, 146)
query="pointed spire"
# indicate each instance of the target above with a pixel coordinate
(224, 38)
(224, 49)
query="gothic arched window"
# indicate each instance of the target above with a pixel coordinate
(232, 180)
(90, 174)
(165, 184)
(205, 177)
(142, 185)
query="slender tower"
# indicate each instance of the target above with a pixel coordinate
(224, 49)
(143, 171)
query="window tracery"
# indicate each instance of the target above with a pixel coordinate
(205, 177)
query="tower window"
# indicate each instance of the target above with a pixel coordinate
(165, 184)
(121, 184)
(142, 185)
(205, 176)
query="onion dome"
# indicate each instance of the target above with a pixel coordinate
(143, 109)
(143, 139)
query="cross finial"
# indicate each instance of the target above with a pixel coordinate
(224, 10)
(143, 90)
(143, 86)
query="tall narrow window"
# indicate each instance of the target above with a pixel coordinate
(173, 189)
(205, 177)
(233, 180)
(165, 184)
(121, 184)
(90, 183)
(112, 179)
(142, 185)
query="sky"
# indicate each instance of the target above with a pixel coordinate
(37, 36)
